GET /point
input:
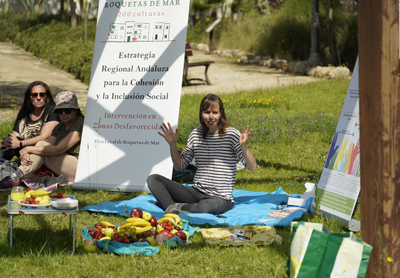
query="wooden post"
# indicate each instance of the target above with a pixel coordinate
(378, 42)
(211, 42)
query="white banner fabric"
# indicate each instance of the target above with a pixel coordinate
(135, 86)
(339, 185)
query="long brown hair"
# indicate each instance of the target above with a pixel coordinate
(208, 102)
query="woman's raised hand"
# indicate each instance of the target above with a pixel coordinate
(244, 135)
(169, 135)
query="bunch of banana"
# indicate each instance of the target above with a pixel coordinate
(175, 217)
(127, 229)
(39, 192)
(141, 230)
(105, 223)
(167, 219)
(139, 224)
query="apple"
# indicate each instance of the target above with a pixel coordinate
(153, 221)
(136, 212)
(109, 232)
(164, 232)
(182, 236)
(144, 240)
(100, 235)
(146, 215)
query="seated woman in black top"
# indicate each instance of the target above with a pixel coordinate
(35, 121)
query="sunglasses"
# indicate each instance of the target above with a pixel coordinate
(35, 95)
(67, 111)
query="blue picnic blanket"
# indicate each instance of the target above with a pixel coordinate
(249, 208)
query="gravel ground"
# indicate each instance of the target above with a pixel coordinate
(19, 68)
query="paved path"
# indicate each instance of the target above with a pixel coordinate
(19, 68)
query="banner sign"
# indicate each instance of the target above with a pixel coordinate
(339, 185)
(135, 86)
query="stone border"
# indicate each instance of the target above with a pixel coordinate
(294, 67)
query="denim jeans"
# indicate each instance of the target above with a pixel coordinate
(167, 192)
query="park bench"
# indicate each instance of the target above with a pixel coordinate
(187, 65)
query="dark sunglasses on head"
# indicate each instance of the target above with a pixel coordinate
(61, 111)
(35, 95)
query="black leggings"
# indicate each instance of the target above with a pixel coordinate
(9, 154)
(167, 192)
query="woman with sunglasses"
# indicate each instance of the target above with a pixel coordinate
(60, 152)
(34, 123)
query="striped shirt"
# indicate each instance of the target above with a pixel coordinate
(215, 158)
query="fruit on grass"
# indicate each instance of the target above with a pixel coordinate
(144, 240)
(159, 228)
(136, 212)
(140, 230)
(151, 240)
(153, 221)
(106, 223)
(147, 233)
(174, 216)
(164, 232)
(146, 215)
(182, 236)
(173, 231)
(109, 232)
(167, 219)
(138, 222)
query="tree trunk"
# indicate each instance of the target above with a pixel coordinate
(83, 10)
(238, 9)
(62, 11)
(73, 14)
(335, 55)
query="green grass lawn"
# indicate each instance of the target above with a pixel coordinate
(292, 132)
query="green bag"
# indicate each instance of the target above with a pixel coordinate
(315, 252)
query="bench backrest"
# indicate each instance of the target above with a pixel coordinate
(188, 52)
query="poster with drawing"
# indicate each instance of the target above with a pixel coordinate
(135, 86)
(339, 185)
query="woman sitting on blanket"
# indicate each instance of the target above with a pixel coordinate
(35, 121)
(215, 146)
(60, 153)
